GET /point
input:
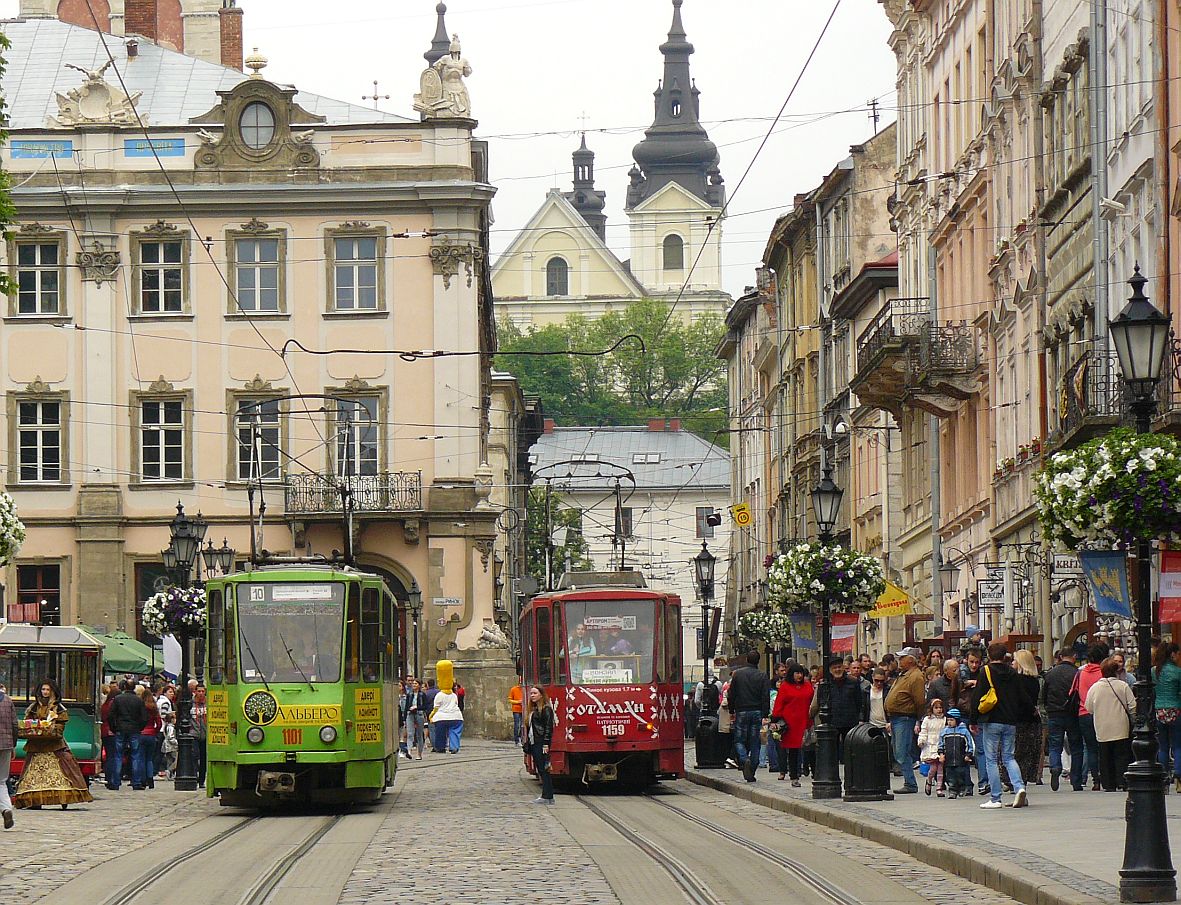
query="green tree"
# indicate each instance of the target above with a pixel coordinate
(564, 520)
(678, 373)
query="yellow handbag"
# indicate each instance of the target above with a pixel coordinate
(988, 699)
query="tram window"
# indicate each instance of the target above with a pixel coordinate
(21, 670)
(231, 646)
(77, 677)
(291, 630)
(528, 672)
(371, 635)
(216, 652)
(673, 633)
(545, 649)
(619, 640)
(661, 652)
(352, 628)
(389, 637)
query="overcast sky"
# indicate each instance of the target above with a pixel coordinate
(540, 65)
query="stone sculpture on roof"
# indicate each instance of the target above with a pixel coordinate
(442, 92)
(95, 102)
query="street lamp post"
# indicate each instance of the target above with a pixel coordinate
(703, 569)
(826, 503)
(1140, 334)
(414, 605)
(183, 548)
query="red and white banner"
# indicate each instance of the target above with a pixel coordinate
(1170, 586)
(844, 630)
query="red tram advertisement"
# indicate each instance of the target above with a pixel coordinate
(607, 651)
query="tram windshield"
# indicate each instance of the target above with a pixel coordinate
(610, 642)
(291, 632)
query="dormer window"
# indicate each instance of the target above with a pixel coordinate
(257, 125)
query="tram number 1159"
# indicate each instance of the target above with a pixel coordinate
(613, 729)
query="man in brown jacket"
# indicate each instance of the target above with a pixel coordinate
(905, 705)
(7, 747)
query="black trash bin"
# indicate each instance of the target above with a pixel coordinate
(867, 764)
(712, 746)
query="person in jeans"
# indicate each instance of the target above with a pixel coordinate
(1063, 721)
(8, 731)
(1088, 676)
(999, 725)
(127, 718)
(538, 735)
(905, 706)
(1167, 687)
(749, 698)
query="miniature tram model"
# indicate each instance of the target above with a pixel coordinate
(607, 651)
(302, 682)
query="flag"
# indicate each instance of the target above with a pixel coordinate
(1170, 586)
(844, 630)
(804, 631)
(893, 602)
(1107, 574)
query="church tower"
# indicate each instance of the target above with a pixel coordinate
(676, 189)
(586, 199)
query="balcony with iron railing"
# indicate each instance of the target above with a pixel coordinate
(1092, 399)
(943, 373)
(884, 350)
(1169, 391)
(310, 495)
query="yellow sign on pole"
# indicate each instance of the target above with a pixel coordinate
(893, 602)
(740, 512)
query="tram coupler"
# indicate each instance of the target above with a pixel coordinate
(600, 773)
(272, 781)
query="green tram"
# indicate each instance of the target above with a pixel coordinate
(302, 682)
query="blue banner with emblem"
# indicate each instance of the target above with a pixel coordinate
(805, 633)
(1107, 575)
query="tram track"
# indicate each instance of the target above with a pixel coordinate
(722, 870)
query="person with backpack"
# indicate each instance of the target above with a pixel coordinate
(999, 702)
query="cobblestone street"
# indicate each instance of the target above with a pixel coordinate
(48, 847)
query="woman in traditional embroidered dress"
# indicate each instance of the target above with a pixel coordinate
(51, 775)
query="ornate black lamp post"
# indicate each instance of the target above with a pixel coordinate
(186, 536)
(414, 605)
(703, 570)
(1140, 335)
(826, 503)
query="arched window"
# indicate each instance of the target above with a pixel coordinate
(557, 277)
(674, 252)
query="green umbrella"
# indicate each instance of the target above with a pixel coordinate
(122, 653)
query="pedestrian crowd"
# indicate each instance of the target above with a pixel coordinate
(139, 731)
(429, 716)
(990, 710)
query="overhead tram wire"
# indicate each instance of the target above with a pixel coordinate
(713, 224)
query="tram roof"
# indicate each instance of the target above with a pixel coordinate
(21, 634)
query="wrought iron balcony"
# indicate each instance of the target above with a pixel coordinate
(884, 349)
(1091, 400)
(1169, 390)
(944, 372)
(388, 491)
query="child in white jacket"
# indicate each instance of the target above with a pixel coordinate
(928, 732)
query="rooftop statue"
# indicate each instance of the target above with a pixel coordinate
(442, 92)
(94, 102)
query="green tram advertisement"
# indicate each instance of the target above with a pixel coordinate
(301, 674)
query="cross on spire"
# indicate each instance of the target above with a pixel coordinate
(375, 97)
(582, 119)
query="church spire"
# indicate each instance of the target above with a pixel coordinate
(676, 147)
(586, 199)
(441, 43)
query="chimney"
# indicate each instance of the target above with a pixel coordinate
(231, 35)
(547, 426)
(656, 424)
(140, 18)
(674, 424)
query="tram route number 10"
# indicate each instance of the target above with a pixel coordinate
(613, 729)
(292, 736)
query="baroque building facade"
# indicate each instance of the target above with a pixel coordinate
(214, 276)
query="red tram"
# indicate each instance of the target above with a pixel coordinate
(607, 650)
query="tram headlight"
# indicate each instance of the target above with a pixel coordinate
(328, 735)
(255, 735)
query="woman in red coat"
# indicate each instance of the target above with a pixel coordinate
(792, 700)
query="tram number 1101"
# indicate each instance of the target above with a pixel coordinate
(613, 729)
(292, 736)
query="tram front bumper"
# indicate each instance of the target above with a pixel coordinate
(292, 757)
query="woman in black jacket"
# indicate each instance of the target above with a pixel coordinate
(539, 734)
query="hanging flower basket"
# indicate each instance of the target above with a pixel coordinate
(12, 530)
(766, 626)
(177, 611)
(807, 575)
(1112, 491)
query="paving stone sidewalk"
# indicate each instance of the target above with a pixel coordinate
(48, 847)
(1072, 840)
(464, 832)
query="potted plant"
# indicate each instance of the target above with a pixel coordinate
(810, 574)
(766, 626)
(1111, 491)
